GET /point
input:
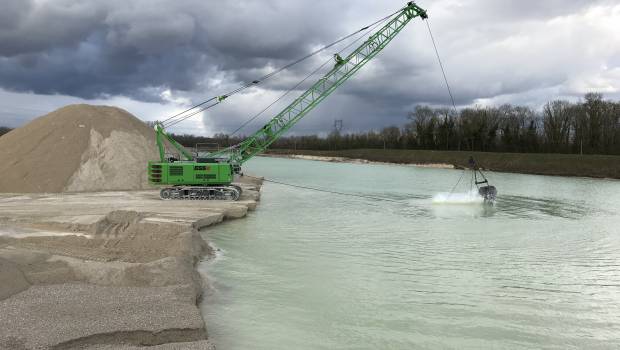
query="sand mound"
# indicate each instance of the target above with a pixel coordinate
(77, 148)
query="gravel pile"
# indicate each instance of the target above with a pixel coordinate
(77, 148)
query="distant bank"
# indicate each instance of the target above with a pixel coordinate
(597, 166)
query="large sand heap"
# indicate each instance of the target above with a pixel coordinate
(77, 148)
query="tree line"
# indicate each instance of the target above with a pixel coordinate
(591, 126)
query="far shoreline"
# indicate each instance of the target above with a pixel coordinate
(356, 160)
(569, 165)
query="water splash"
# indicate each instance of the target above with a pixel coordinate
(471, 197)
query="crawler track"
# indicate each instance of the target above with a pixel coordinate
(231, 192)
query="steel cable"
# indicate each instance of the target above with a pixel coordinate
(457, 183)
(325, 191)
(171, 122)
(371, 28)
(441, 65)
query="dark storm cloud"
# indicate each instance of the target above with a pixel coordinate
(28, 27)
(197, 48)
(12, 13)
(88, 49)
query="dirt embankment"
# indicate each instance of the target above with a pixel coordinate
(597, 166)
(77, 148)
(76, 273)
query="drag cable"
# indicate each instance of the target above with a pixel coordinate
(457, 183)
(325, 191)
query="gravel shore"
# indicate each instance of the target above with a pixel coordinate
(106, 270)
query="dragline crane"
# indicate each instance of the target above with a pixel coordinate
(211, 178)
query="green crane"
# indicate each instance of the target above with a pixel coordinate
(211, 178)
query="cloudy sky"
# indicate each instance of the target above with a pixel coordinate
(155, 58)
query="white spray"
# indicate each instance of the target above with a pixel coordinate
(471, 197)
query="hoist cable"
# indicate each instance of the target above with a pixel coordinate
(269, 75)
(441, 65)
(325, 47)
(174, 122)
(279, 98)
(189, 109)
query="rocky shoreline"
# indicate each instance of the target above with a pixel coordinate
(106, 270)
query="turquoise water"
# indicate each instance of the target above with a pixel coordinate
(311, 270)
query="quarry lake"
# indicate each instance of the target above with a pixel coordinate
(313, 270)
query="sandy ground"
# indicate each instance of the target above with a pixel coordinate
(106, 270)
(353, 160)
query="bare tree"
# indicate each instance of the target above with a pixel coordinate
(557, 121)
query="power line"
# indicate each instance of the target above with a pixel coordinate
(337, 125)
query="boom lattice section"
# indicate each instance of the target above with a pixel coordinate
(342, 70)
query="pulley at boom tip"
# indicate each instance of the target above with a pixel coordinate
(421, 12)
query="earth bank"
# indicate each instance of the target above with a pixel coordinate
(75, 273)
(85, 269)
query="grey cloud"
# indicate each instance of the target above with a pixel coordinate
(13, 12)
(196, 48)
(92, 49)
(89, 49)
(36, 27)
(529, 9)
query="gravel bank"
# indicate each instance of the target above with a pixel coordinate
(107, 270)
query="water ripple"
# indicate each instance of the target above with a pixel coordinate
(540, 269)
